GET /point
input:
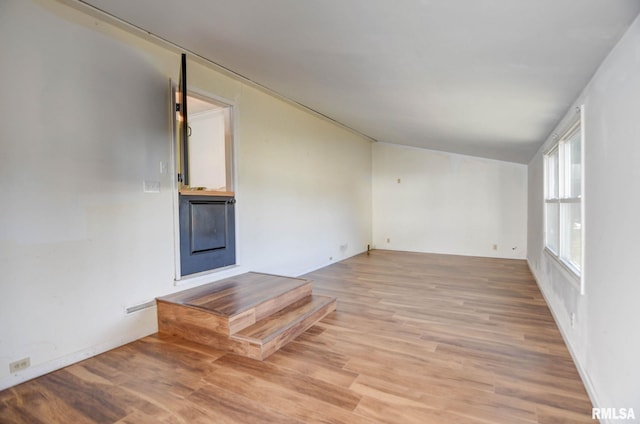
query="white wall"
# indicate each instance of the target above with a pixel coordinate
(311, 189)
(605, 341)
(207, 156)
(84, 120)
(448, 203)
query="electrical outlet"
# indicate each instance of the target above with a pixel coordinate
(19, 365)
(388, 240)
(151, 186)
(495, 247)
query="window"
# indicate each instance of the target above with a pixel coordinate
(563, 198)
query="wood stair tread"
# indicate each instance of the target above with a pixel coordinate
(274, 325)
(233, 296)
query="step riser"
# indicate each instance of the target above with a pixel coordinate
(272, 346)
(192, 325)
(268, 307)
(194, 330)
(178, 319)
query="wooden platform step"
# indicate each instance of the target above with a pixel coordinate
(240, 301)
(252, 314)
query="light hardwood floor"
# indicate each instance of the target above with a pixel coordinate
(416, 338)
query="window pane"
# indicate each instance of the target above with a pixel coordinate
(552, 174)
(563, 198)
(552, 218)
(573, 166)
(571, 250)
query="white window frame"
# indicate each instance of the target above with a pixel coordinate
(558, 148)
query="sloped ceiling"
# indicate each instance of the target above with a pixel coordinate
(488, 78)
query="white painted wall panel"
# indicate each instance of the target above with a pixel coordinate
(604, 341)
(84, 120)
(207, 156)
(447, 203)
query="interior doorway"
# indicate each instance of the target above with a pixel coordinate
(206, 196)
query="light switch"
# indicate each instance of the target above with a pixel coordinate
(164, 168)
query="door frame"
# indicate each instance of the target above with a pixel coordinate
(179, 279)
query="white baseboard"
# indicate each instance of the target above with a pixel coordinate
(584, 376)
(328, 263)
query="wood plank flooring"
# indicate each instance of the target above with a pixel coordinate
(416, 338)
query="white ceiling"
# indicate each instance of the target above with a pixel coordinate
(488, 78)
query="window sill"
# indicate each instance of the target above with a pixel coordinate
(194, 192)
(206, 276)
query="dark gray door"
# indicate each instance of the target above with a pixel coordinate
(207, 233)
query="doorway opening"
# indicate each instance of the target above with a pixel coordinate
(210, 146)
(206, 196)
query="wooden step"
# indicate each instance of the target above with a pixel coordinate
(252, 314)
(234, 303)
(268, 335)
